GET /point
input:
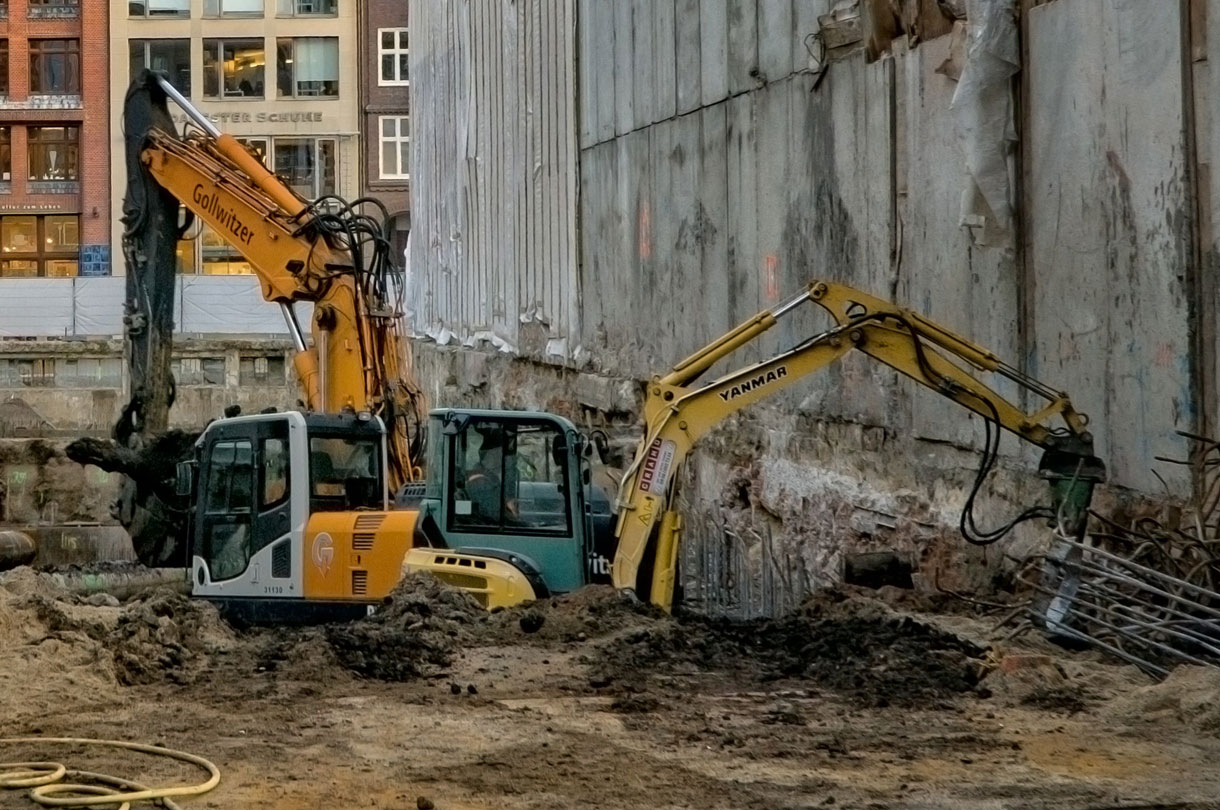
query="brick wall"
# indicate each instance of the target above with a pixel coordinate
(377, 100)
(90, 196)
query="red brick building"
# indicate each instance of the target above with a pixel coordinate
(385, 121)
(54, 146)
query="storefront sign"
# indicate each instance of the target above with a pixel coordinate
(37, 208)
(259, 117)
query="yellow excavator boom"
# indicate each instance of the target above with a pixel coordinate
(678, 412)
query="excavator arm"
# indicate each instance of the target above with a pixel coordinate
(677, 413)
(358, 360)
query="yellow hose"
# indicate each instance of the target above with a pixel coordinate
(44, 778)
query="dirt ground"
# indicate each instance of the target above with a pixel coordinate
(589, 702)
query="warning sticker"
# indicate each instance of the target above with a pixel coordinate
(654, 474)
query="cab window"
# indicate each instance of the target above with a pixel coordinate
(227, 506)
(509, 477)
(344, 473)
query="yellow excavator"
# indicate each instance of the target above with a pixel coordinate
(318, 512)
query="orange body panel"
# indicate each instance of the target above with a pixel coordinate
(356, 556)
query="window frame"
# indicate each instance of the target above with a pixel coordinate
(147, 14)
(71, 147)
(293, 81)
(398, 139)
(396, 52)
(147, 45)
(295, 12)
(4, 68)
(42, 255)
(215, 9)
(38, 48)
(219, 76)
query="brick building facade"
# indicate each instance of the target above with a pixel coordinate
(54, 141)
(385, 121)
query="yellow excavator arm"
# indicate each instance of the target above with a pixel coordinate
(358, 359)
(677, 413)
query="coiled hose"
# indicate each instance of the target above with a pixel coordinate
(45, 779)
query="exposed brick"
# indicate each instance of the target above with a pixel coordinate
(377, 100)
(89, 110)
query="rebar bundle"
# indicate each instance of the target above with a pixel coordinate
(1146, 591)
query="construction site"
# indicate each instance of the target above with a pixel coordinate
(775, 404)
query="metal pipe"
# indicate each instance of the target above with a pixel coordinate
(294, 328)
(199, 118)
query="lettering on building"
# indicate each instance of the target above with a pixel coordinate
(753, 384)
(259, 117)
(225, 218)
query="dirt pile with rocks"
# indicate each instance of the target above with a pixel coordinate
(415, 633)
(857, 648)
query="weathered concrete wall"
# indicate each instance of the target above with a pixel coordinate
(44, 390)
(718, 173)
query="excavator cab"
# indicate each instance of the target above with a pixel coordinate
(289, 518)
(508, 509)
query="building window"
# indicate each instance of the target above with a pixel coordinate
(3, 67)
(236, 65)
(198, 370)
(6, 154)
(33, 246)
(308, 8)
(3, 9)
(395, 138)
(89, 372)
(54, 66)
(169, 56)
(308, 165)
(159, 8)
(53, 153)
(392, 48)
(54, 8)
(261, 371)
(307, 66)
(232, 8)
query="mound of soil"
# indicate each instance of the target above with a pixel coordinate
(1190, 696)
(590, 613)
(166, 636)
(415, 633)
(874, 658)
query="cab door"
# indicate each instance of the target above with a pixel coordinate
(243, 541)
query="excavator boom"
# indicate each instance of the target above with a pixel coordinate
(302, 252)
(677, 413)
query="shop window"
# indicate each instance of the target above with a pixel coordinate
(6, 154)
(53, 153)
(54, 66)
(233, 68)
(395, 139)
(33, 246)
(233, 8)
(3, 67)
(393, 53)
(308, 165)
(169, 56)
(307, 67)
(307, 8)
(219, 258)
(262, 371)
(198, 370)
(159, 8)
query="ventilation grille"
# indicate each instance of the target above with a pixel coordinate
(281, 561)
(369, 523)
(362, 541)
(360, 583)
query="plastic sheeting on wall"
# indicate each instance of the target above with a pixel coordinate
(93, 307)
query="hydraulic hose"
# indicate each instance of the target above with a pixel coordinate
(47, 788)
